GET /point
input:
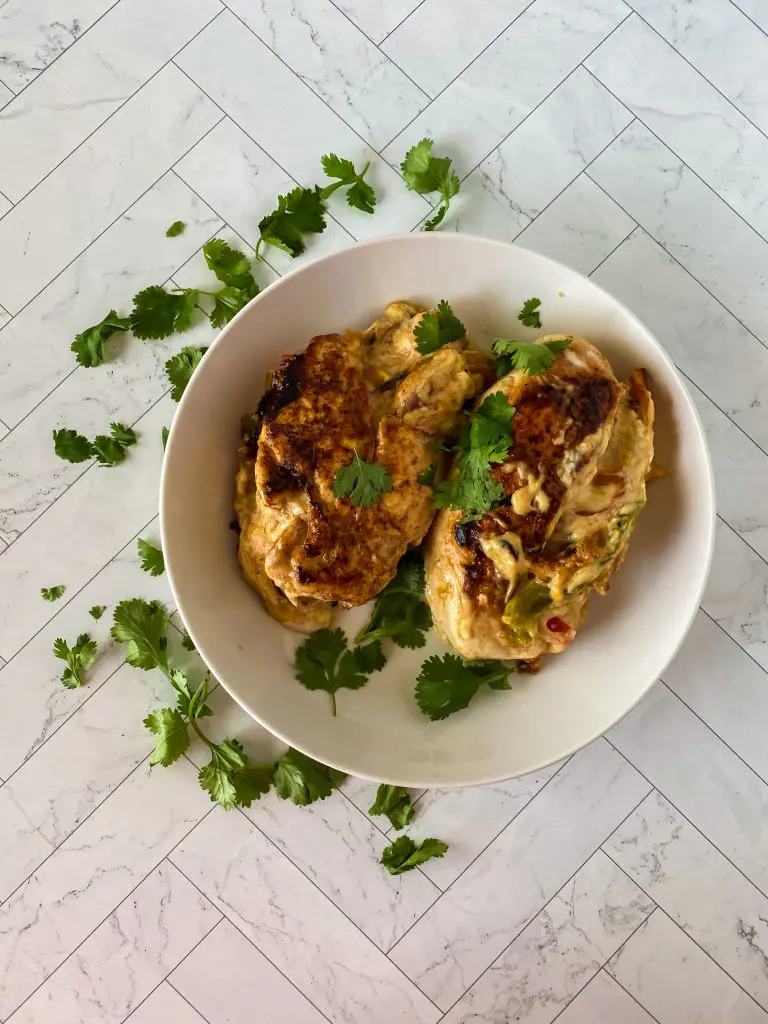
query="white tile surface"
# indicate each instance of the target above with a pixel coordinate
(464, 932)
(574, 123)
(88, 84)
(676, 981)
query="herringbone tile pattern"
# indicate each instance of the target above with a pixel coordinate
(627, 139)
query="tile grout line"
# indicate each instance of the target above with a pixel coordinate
(455, 77)
(744, 13)
(631, 995)
(626, 238)
(170, 984)
(685, 816)
(701, 74)
(677, 156)
(736, 533)
(709, 398)
(481, 852)
(246, 937)
(114, 112)
(60, 55)
(344, 914)
(402, 22)
(373, 42)
(725, 633)
(672, 255)
(551, 899)
(615, 953)
(112, 911)
(686, 933)
(107, 227)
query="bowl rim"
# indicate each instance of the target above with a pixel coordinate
(450, 238)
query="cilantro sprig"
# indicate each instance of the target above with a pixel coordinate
(400, 611)
(79, 658)
(323, 662)
(179, 369)
(362, 482)
(360, 194)
(529, 314)
(425, 173)
(229, 777)
(108, 450)
(405, 855)
(52, 593)
(152, 560)
(446, 685)
(299, 213)
(437, 327)
(88, 346)
(395, 802)
(533, 357)
(485, 440)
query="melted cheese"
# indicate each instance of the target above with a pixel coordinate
(531, 497)
(506, 553)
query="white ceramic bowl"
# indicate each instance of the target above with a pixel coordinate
(629, 637)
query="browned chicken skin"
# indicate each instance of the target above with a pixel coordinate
(515, 584)
(300, 546)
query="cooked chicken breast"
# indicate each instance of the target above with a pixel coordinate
(514, 585)
(301, 547)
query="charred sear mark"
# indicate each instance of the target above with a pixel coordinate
(463, 533)
(283, 478)
(287, 383)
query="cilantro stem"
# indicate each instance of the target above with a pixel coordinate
(328, 190)
(333, 704)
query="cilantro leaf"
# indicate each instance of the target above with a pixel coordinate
(88, 346)
(187, 643)
(471, 489)
(437, 327)
(181, 367)
(446, 685)
(427, 478)
(426, 173)
(405, 855)
(362, 482)
(230, 779)
(110, 451)
(323, 662)
(490, 426)
(164, 436)
(360, 194)
(79, 659)
(231, 266)
(175, 229)
(152, 560)
(229, 301)
(158, 314)
(303, 780)
(299, 213)
(140, 626)
(71, 446)
(529, 314)
(172, 731)
(97, 611)
(395, 802)
(370, 658)
(400, 611)
(534, 357)
(52, 593)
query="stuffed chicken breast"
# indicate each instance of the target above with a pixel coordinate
(306, 545)
(514, 584)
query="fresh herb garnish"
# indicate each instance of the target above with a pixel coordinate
(175, 229)
(180, 368)
(233, 268)
(362, 482)
(164, 436)
(302, 780)
(405, 855)
(71, 446)
(79, 659)
(446, 685)
(97, 611)
(52, 593)
(108, 450)
(158, 314)
(533, 357)
(152, 560)
(529, 314)
(89, 345)
(485, 440)
(395, 802)
(400, 611)
(187, 642)
(360, 194)
(425, 173)
(437, 327)
(299, 213)
(427, 477)
(323, 662)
